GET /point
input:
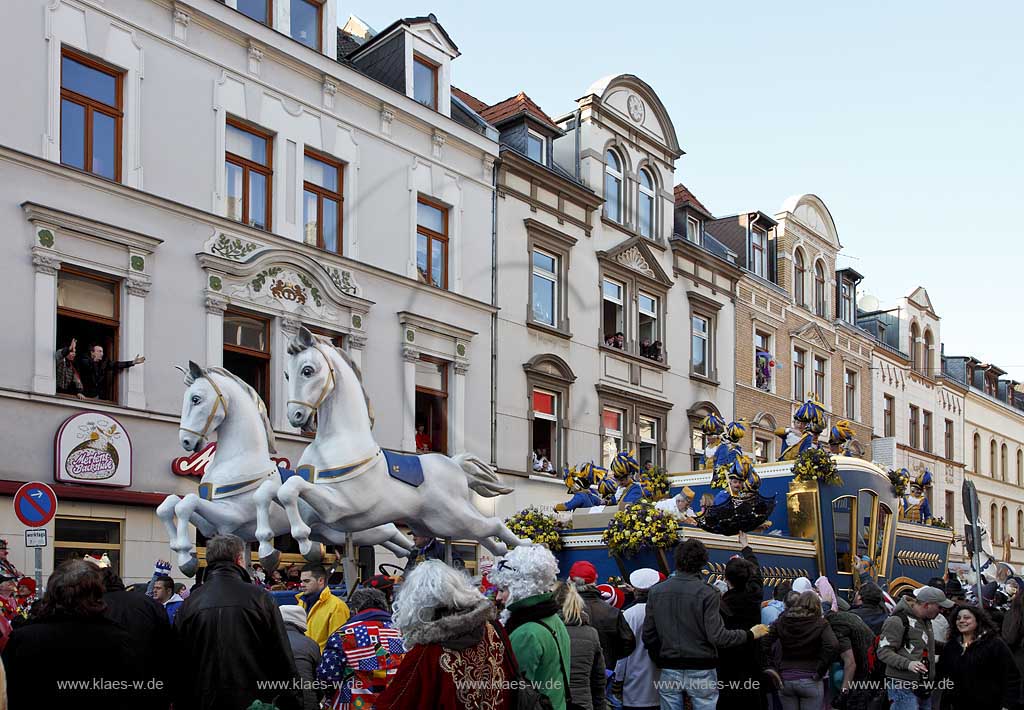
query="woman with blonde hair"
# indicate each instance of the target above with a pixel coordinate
(586, 660)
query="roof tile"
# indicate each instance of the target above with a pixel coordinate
(515, 105)
(683, 198)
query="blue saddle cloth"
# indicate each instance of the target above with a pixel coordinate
(406, 468)
(287, 473)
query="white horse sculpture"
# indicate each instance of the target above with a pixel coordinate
(237, 492)
(361, 492)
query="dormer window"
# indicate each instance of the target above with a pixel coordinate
(846, 301)
(259, 10)
(646, 206)
(693, 230)
(759, 252)
(535, 146)
(306, 21)
(424, 82)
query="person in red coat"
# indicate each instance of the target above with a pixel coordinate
(459, 657)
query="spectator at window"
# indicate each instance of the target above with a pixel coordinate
(96, 372)
(646, 348)
(422, 440)
(616, 341)
(68, 381)
(541, 462)
(656, 351)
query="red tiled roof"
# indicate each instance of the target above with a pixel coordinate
(520, 103)
(683, 196)
(468, 99)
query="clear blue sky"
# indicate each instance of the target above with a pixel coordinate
(906, 118)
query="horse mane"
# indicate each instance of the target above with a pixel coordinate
(261, 407)
(295, 347)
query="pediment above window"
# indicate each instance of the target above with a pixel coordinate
(634, 255)
(815, 335)
(550, 365)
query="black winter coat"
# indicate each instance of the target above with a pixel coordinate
(984, 676)
(65, 648)
(306, 652)
(152, 639)
(230, 636)
(1013, 635)
(873, 616)
(617, 639)
(741, 610)
(586, 663)
(805, 642)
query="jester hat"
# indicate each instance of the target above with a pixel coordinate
(606, 486)
(811, 413)
(625, 464)
(712, 425)
(840, 433)
(575, 480)
(736, 431)
(923, 480)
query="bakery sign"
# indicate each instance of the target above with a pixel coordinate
(94, 449)
(195, 464)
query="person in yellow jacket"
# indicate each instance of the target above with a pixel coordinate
(325, 613)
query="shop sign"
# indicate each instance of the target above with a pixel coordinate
(93, 448)
(195, 464)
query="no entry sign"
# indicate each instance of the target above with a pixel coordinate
(35, 504)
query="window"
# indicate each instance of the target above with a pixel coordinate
(698, 442)
(992, 469)
(850, 387)
(535, 146)
(90, 115)
(977, 453)
(799, 383)
(76, 537)
(612, 326)
(951, 509)
(247, 350)
(612, 421)
(646, 206)
(759, 252)
(762, 450)
(914, 433)
(432, 405)
(1020, 528)
(259, 10)
(700, 349)
(820, 302)
(545, 288)
(888, 421)
(305, 22)
(799, 277)
(843, 527)
(1004, 519)
(926, 431)
(993, 528)
(693, 230)
(613, 187)
(948, 440)
(819, 379)
(88, 312)
(424, 82)
(926, 355)
(322, 202)
(432, 242)
(1004, 466)
(650, 336)
(915, 347)
(846, 301)
(545, 428)
(248, 163)
(648, 442)
(762, 361)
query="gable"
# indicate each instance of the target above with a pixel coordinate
(635, 255)
(921, 299)
(432, 33)
(812, 333)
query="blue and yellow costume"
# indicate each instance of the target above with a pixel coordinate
(730, 447)
(713, 427)
(795, 441)
(581, 485)
(840, 439)
(737, 510)
(625, 467)
(914, 505)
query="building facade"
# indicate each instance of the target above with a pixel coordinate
(918, 411)
(994, 450)
(796, 334)
(195, 181)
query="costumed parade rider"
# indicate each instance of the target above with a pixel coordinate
(626, 470)
(914, 505)
(680, 506)
(729, 449)
(841, 441)
(583, 484)
(800, 438)
(712, 427)
(739, 507)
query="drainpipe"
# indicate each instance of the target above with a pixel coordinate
(579, 113)
(494, 316)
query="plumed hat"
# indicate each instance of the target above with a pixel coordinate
(736, 431)
(606, 487)
(923, 480)
(625, 464)
(840, 433)
(575, 480)
(712, 425)
(811, 413)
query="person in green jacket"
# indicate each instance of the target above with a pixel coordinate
(539, 639)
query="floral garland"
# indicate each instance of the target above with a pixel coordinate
(940, 523)
(536, 525)
(899, 483)
(638, 526)
(817, 465)
(656, 482)
(720, 478)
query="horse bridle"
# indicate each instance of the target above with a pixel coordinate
(329, 385)
(218, 403)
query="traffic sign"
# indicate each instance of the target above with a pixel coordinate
(35, 538)
(35, 504)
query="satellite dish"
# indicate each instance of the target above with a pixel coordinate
(868, 302)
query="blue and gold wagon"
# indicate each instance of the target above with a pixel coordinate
(848, 532)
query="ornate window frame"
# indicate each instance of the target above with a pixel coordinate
(547, 371)
(708, 309)
(634, 406)
(540, 236)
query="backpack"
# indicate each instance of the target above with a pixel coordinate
(876, 669)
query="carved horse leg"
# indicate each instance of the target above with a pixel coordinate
(473, 524)
(224, 516)
(265, 496)
(288, 495)
(183, 547)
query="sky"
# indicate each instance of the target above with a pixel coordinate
(906, 118)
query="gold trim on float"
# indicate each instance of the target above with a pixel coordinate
(807, 524)
(924, 532)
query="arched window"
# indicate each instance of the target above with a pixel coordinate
(992, 470)
(799, 276)
(820, 302)
(1004, 463)
(613, 186)
(915, 347)
(928, 356)
(1005, 525)
(993, 532)
(646, 206)
(977, 453)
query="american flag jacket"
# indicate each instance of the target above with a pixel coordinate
(360, 659)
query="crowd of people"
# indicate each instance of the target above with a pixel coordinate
(515, 637)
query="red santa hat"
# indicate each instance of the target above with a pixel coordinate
(583, 570)
(613, 596)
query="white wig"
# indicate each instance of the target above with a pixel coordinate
(524, 572)
(432, 585)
